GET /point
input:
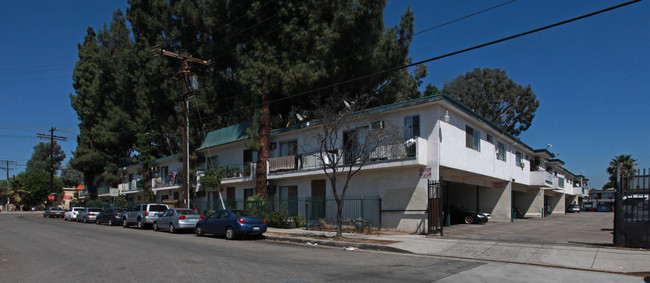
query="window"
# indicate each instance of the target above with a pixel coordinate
(411, 127)
(355, 145)
(501, 151)
(520, 162)
(490, 139)
(377, 125)
(289, 148)
(472, 138)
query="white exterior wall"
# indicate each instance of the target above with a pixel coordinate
(455, 154)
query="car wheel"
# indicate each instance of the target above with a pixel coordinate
(125, 224)
(140, 224)
(155, 226)
(199, 231)
(85, 220)
(171, 228)
(97, 221)
(110, 222)
(469, 219)
(230, 233)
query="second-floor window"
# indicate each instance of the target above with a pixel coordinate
(472, 138)
(501, 151)
(411, 127)
(520, 162)
(288, 148)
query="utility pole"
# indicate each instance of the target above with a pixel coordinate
(7, 162)
(52, 138)
(186, 111)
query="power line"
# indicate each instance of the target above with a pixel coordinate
(437, 57)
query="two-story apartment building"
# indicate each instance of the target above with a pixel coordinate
(479, 166)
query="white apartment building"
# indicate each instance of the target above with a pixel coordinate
(478, 165)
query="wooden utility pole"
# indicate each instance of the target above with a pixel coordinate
(186, 111)
(52, 138)
(7, 162)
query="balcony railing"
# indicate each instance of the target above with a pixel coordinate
(312, 160)
(135, 185)
(104, 190)
(166, 181)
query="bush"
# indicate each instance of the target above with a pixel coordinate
(257, 205)
(299, 222)
(276, 219)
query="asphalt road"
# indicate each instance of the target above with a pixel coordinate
(35, 249)
(592, 229)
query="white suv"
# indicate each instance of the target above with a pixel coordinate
(71, 214)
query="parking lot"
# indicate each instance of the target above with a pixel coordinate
(583, 229)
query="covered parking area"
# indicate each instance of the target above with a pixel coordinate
(475, 193)
(554, 202)
(527, 201)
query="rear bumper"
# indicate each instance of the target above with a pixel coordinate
(252, 229)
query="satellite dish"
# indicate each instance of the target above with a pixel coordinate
(347, 105)
(300, 117)
(549, 145)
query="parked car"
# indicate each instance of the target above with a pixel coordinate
(53, 212)
(143, 214)
(460, 214)
(111, 216)
(175, 219)
(88, 214)
(231, 223)
(574, 207)
(71, 214)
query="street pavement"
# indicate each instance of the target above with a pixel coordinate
(76, 251)
(577, 242)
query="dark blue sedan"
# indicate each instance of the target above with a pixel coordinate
(231, 223)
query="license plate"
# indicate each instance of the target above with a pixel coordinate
(256, 228)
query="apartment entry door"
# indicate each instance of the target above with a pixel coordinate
(318, 199)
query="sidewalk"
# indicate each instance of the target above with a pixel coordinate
(603, 259)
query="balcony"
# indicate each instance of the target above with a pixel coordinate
(166, 181)
(129, 187)
(103, 191)
(313, 161)
(541, 178)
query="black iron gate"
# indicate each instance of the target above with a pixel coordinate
(632, 211)
(434, 210)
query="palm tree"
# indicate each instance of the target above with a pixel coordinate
(627, 163)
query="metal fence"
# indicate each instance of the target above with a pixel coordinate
(359, 212)
(632, 211)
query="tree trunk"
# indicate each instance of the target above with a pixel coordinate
(263, 153)
(339, 218)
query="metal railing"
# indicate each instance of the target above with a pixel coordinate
(312, 160)
(166, 181)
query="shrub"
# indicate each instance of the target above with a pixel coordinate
(276, 219)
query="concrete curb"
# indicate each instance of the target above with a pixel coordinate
(334, 243)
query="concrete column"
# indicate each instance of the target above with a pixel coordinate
(502, 210)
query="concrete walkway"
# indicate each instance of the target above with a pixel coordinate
(603, 259)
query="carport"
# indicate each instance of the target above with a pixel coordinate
(554, 201)
(477, 198)
(527, 201)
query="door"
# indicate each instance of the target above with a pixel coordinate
(289, 200)
(318, 199)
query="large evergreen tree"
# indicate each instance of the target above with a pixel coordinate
(41, 157)
(496, 97)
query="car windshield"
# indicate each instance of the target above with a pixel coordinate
(186, 212)
(119, 209)
(95, 209)
(242, 213)
(157, 208)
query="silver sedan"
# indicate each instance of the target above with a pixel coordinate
(175, 219)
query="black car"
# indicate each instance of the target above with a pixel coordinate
(112, 216)
(460, 214)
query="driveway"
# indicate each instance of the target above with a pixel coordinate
(584, 229)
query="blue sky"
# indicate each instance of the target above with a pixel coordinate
(590, 76)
